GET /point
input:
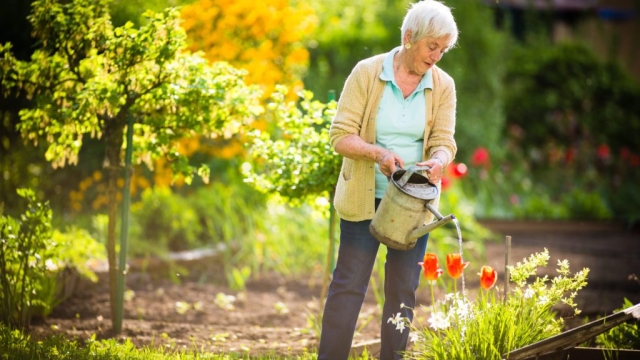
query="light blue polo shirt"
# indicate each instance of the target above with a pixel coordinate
(400, 122)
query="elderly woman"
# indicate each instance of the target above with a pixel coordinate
(396, 110)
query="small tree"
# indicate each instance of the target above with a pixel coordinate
(89, 78)
(298, 163)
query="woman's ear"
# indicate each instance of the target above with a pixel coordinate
(407, 37)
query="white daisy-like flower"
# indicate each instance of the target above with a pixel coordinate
(400, 326)
(528, 294)
(438, 321)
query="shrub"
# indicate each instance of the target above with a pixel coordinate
(22, 244)
(35, 262)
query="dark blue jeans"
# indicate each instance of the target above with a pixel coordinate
(356, 257)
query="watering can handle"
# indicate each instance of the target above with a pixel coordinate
(412, 169)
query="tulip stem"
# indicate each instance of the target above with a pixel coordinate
(433, 298)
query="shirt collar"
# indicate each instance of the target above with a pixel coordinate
(387, 72)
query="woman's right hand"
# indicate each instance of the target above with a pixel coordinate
(388, 161)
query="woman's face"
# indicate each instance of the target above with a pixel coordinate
(426, 52)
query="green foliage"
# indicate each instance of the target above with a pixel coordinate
(586, 206)
(163, 222)
(572, 120)
(478, 67)
(623, 336)
(564, 94)
(491, 327)
(24, 243)
(36, 261)
(123, 11)
(347, 32)
(76, 249)
(245, 228)
(298, 163)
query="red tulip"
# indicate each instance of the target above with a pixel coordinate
(603, 152)
(445, 183)
(455, 265)
(431, 267)
(488, 277)
(480, 157)
(460, 170)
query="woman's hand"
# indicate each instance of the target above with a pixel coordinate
(388, 161)
(436, 172)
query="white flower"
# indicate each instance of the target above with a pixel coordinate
(463, 309)
(528, 294)
(543, 300)
(414, 336)
(449, 296)
(50, 265)
(438, 321)
(395, 319)
(402, 306)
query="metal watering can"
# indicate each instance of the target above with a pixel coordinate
(399, 219)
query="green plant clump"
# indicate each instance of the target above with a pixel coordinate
(35, 262)
(491, 327)
(623, 336)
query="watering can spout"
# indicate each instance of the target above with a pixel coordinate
(427, 228)
(441, 220)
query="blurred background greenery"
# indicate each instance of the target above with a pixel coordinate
(547, 124)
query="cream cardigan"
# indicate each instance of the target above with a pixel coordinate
(356, 114)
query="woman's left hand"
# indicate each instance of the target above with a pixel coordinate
(436, 172)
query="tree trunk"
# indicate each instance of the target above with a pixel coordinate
(113, 140)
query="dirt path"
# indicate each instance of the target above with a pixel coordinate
(276, 315)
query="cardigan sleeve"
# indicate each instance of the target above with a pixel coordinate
(351, 106)
(441, 135)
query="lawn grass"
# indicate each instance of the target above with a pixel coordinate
(15, 344)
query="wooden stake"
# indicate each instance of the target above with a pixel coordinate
(507, 256)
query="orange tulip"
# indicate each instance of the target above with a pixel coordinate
(488, 277)
(431, 267)
(455, 265)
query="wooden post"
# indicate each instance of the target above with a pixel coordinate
(507, 256)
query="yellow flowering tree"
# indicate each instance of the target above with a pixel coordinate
(266, 38)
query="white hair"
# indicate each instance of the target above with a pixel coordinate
(430, 18)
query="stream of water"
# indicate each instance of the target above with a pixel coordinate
(455, 221)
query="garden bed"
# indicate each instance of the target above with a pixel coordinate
(276, 314)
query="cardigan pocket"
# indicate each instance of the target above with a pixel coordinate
(346, 198)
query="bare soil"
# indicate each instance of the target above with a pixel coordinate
(276, 315)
